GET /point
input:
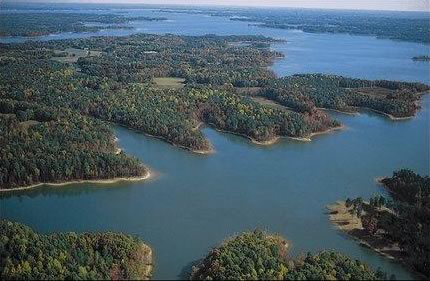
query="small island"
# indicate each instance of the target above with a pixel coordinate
(397, 228)
(421, 58)
(266, 258)
(27, 255)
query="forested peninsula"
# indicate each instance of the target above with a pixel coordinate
(38, 24)
(397, 227)
(122, 80)
(259, 255)
(41, 144)
(27, 255)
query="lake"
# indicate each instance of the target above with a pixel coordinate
(196, 201)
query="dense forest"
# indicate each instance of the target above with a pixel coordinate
(116, 86)
(261, 256)
(27, 255)
(404, 219)
(209, 60)
(304, 92)
(112, 79)
(37, 24)
(42, 144)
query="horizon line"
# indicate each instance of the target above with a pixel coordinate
(92, 2)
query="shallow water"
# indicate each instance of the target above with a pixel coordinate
(196, 201)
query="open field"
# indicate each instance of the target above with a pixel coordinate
(71, 55)
(169, 82)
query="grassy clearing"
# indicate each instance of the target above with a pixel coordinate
(72, 55)
(27, 124)
(169, 82)
(266, 102)
(374, 91)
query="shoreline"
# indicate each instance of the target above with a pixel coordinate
(351, 226)
(265, 143)
(359, 109)
(93, 181)
(379, 180)
(330, 130)
(276, 139)
(388, 115)
(252, 140)
(309, 137)
(210, 150)
(340, 217)
(148, 261)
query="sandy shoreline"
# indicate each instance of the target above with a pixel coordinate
(94, 181)
(348, 223)
(379, 180)
(389, 116)
(309, 138)
(147, 262)
(278, 138)
(330, 130)
(268, 142)
(359, 109)
(211, 150)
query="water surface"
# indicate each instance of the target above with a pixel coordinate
(196, 201)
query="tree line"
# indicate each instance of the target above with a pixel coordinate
(27, 255)
(259, 255)
(304, 92)
(42, 144)
(37, 24)
(403, 219)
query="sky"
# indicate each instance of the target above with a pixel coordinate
(399, 5)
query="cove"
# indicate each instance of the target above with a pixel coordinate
(196, 201)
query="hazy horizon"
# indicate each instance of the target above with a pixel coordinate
(390, 5)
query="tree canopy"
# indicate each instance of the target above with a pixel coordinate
(403, 219)
(258, 255)
(27, 255)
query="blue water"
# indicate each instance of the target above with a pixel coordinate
(196, 201)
